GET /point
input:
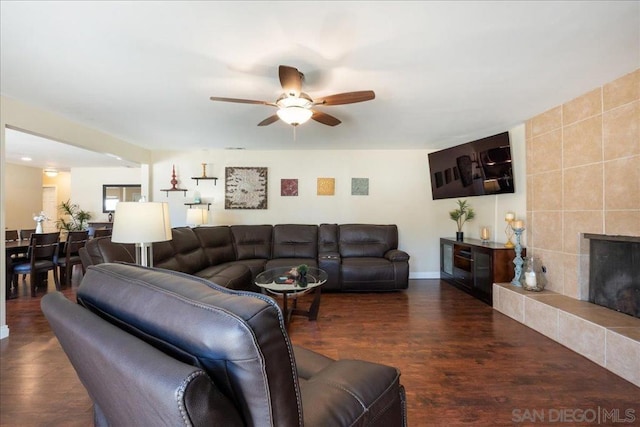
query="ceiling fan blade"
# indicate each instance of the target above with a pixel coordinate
(325, 118)
(241, 101)
(269, 120)
(346, 98)
(290, 79)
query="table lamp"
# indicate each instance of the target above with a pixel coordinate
(142, 223)
(197, 216)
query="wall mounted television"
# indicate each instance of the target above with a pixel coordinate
(477, 168)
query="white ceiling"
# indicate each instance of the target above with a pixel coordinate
(38, 152)
(444, 73)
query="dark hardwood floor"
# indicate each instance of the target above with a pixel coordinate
(461, 363)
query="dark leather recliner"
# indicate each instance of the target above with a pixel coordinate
(155, 347)
(362, 257)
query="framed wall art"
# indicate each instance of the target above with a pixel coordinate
(245, 188)
(359, 186)
(288, 187)
(326, 186)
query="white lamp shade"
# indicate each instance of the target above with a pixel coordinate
(141, 222)
(197, 216)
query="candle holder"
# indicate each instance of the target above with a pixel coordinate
(509, 232)
(518, 259)
(484, 234)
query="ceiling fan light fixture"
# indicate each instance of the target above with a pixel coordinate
(294, 115)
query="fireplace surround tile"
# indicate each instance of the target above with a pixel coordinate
(608, 338)
(621, 131)
(622, 222)
(621, 91)
(633, 333)
(623, 355)
(589, 342)
(541, 317)
(510, 303)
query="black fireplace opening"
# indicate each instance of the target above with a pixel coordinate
(614, 272)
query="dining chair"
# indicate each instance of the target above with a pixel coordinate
(43, 249)
(10, 235)
(70, 255)
(102, 232)
(26, 234)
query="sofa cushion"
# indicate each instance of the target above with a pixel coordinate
(232, 276)
(102, 249)
(217, 243)
(337, 392)
(256, 266)
(295, 241)
(364, 240)
(367, 273)
(290, 262)
(252, 241)
(187, 255)
(246, 353)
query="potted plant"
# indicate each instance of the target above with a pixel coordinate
(461, 215)
(73, 218)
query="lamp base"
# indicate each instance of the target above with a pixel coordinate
(144, 254)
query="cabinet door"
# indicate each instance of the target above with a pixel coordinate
(482, 274)
(447, 258)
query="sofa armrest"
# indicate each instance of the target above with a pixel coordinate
(396, 255)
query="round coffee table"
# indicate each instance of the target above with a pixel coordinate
(282, 281)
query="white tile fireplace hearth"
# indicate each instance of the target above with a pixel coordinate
(606, 337)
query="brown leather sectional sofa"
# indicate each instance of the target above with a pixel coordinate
(356, 257)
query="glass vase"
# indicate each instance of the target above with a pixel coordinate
(533, 278)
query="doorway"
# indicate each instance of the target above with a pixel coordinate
(50, 208)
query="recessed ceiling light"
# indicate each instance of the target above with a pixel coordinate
(26, 159)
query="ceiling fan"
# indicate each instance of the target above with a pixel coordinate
(295, 106)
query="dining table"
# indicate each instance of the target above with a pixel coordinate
(13, 249)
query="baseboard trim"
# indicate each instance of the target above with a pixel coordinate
(425, 275)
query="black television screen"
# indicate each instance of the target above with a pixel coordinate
(476, 168)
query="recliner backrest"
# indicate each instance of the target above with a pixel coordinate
(364, 240)
(252, 241)
(217, 243)
(129, 381)
(102, 249)
(186, 253)
(295, 241)
(238, 338)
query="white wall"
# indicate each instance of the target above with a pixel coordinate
(399, 193)
(20, 116)
(86, 186)
(23, 194)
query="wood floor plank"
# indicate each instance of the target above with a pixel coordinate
(462, 363)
